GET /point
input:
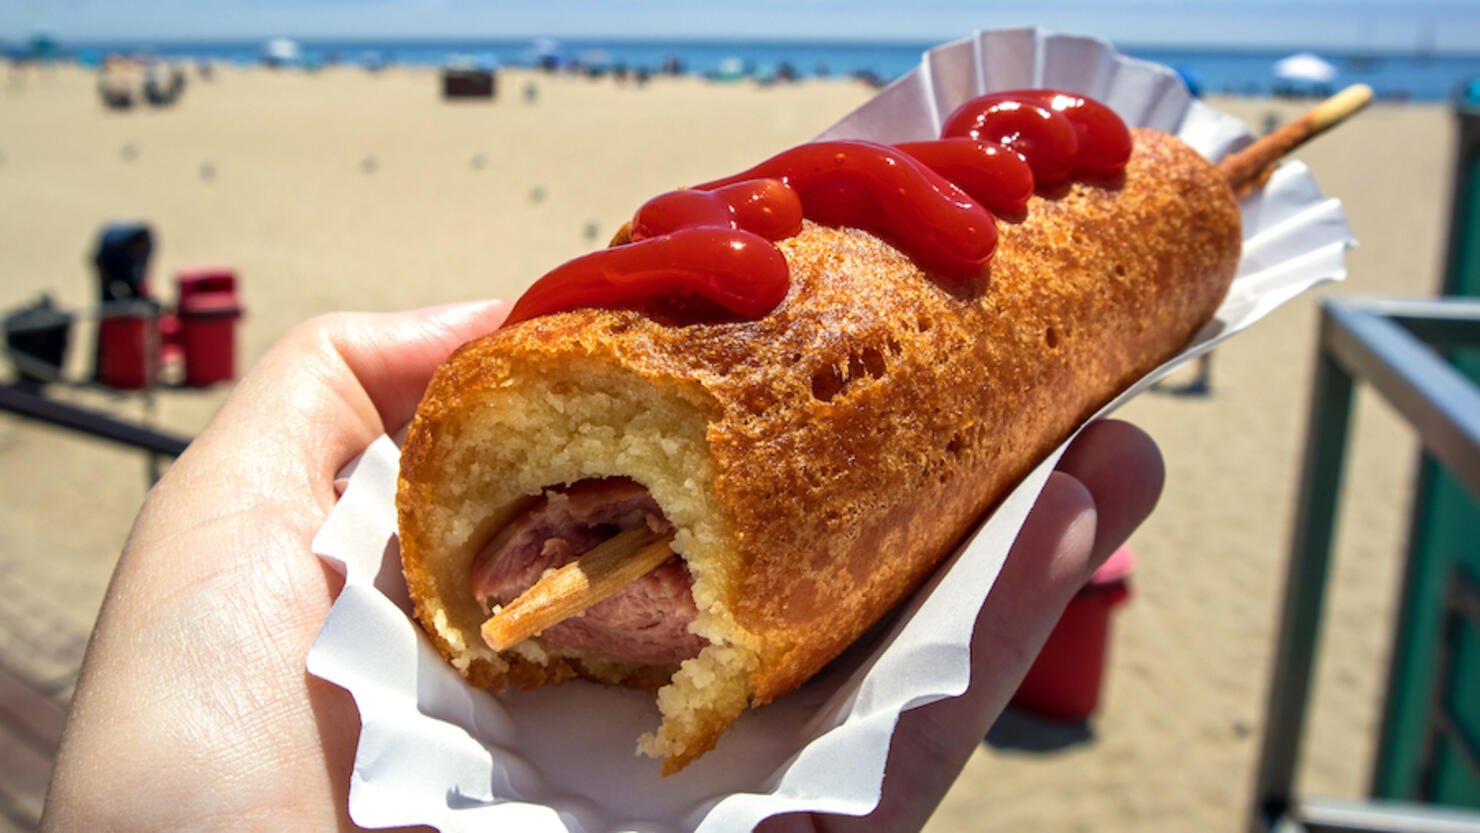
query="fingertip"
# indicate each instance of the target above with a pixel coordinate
(393, 356)
(473, 318)
(346, 377)
(1108, 443)
(1056, 540)
(1123, 470)
(1067, 496)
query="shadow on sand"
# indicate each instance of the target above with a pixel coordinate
(1021, 730)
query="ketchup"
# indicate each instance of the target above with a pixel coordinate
(991, 174)
(1046, 139)
(766, 207)
(1102, 140)
(733, 271)
(707, 253)
(884, 190)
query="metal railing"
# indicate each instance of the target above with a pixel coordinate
(27, 398)
(1390, 345)
(23, 401)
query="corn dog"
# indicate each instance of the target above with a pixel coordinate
(787, 460)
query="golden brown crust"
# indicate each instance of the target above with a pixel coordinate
(1094, 289)
(863, 427)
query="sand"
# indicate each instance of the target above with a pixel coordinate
(346, 190)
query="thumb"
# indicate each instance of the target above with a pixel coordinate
(331, 386)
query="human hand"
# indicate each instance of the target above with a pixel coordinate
(1106, 484)
(194, 710)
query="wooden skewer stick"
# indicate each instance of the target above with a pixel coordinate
(597, 575)
(1253, 163)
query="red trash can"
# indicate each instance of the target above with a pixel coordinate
(1064, 682)
(200, 280)
(188, 284)
(208, 337)
(128, 344)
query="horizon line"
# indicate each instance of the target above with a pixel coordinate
(1202, 46)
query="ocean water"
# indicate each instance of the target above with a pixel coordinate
(1414, 76)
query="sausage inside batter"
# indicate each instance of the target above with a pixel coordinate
(646, 622)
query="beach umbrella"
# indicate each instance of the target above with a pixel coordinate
(545, 52)
(1305, 66)
(281, 52)
(730, 69)
(595, 57)
(1192, 78)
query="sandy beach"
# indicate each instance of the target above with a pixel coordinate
(345, 190)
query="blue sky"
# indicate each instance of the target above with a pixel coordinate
(1445, 26)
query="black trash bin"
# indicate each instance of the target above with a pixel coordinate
(468, 83)
(122, 259)
(36, 339)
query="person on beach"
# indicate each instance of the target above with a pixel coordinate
(193, 710)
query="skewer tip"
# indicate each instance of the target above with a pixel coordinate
(1340, 106)
(1249, 167)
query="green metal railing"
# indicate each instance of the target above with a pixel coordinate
(1388, 344)
(1444, 539)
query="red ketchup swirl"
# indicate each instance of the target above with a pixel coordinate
(1059, 133)
(989, 173)
(707, 253)
(694, 255)
(884, 190)
(762, 206)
